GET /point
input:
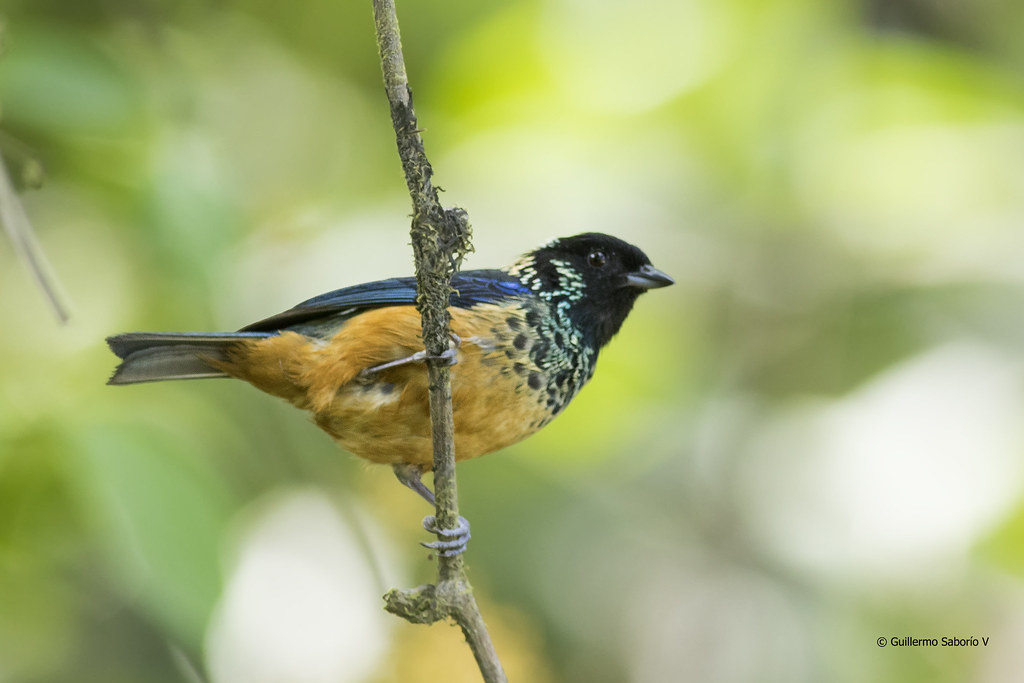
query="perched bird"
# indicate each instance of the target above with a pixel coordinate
(525, 341)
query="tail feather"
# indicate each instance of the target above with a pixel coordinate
(156, 356)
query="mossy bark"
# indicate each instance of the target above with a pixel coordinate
(440, 240)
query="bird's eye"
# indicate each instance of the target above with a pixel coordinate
(597, 258)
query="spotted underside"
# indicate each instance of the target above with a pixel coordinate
(507, 352)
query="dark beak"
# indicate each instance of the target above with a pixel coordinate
(648, 277)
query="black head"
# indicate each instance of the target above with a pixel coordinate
(593, 278)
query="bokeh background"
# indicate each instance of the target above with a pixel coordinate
(812, 441)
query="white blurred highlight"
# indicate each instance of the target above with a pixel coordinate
(628, 56)
(945, 200)
(695, 620)
(898, 479)
(302, 604)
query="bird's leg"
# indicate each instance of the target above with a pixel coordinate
(455, 540)
(448, 356)
(411, 476)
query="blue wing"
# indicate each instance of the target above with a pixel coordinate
(471, 288)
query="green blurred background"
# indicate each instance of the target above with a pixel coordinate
(812, 441)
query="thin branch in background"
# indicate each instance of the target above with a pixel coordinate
(440, 239)
(18, 228)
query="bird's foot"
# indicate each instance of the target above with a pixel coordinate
(451, 354)
(453, 541)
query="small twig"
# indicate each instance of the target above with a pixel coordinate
(18, 228)
(440, 239)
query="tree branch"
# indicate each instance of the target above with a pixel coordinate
(440, 239)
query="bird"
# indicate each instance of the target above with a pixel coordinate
(524, 340)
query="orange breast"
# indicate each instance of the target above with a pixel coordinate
(497, 391)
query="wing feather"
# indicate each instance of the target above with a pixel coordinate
(471, 288)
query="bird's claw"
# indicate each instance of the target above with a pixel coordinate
(455, 540)
(450, 356)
